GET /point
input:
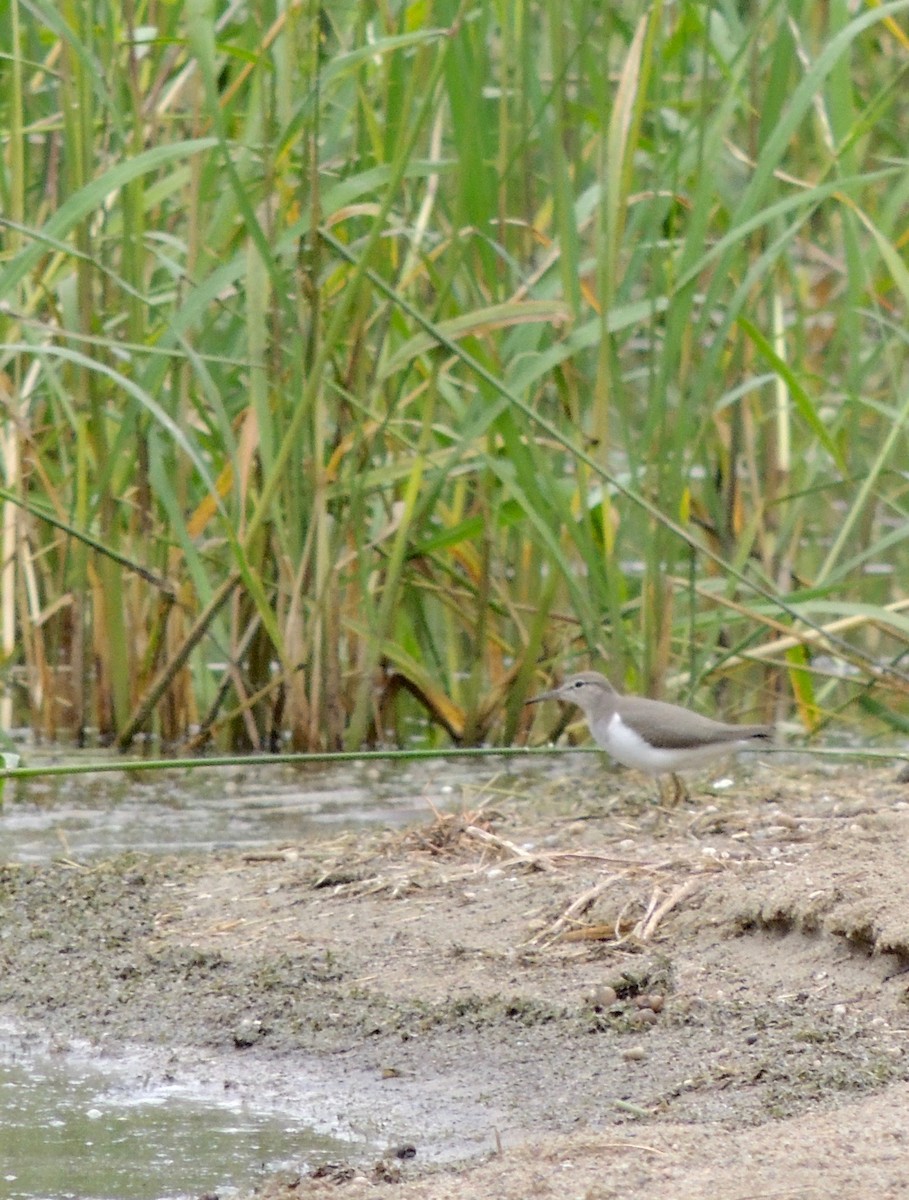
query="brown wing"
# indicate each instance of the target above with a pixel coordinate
(670, 727)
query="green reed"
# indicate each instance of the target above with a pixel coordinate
(363, 365)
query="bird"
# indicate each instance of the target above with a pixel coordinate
(651, 735)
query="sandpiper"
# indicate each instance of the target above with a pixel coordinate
(651, 735)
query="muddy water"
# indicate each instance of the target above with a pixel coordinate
(262, 804)
(74, 1124)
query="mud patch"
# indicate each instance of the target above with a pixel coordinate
(592, 990)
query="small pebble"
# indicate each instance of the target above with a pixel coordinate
(645, 1016)
(634, 1054)
(649, 1001)
(600, 997)
(248, 1032)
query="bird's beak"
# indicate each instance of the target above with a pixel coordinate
(555, 694)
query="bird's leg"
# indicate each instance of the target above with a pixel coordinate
(679, 793)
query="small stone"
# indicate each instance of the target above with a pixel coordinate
(634, 1054)
(248, 1032)
(651, 1001)
(600, 997)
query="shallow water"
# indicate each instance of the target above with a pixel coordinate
(72, 1126)
(248, 807)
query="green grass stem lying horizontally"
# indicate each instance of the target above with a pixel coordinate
(362, 368)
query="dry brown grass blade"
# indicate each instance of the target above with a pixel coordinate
(576, 909)
(590, 933)
(160, 685)
(440, 706)
(772, 651)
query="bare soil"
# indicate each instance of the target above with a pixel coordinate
(568, 990)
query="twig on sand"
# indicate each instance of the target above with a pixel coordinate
(647, 926)
(540, 862)
(577, 908)
(642, 931)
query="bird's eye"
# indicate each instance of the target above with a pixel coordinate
(578, 683)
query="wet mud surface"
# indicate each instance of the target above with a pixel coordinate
(563, 990)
